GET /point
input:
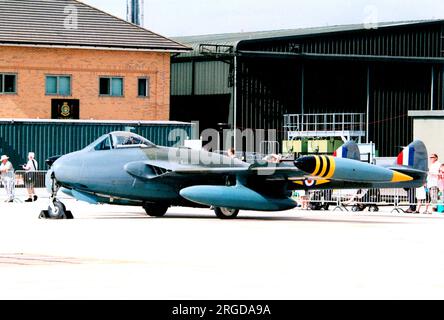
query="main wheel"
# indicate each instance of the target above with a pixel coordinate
(155, 210)
(373, 209)
(58, 212)
(225, 213)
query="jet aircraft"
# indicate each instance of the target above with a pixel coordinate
(123, 168)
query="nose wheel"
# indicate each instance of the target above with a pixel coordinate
(56, 209)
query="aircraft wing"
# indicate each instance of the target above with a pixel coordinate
(148, 170)
(268, 172)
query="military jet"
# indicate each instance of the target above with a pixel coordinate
(123, 168)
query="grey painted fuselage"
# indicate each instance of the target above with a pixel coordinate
(109, 173)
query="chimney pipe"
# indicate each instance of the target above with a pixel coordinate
(134, 9)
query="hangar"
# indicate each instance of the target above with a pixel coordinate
(252, 80)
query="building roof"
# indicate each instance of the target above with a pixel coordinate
(233, 39)
(71, 23)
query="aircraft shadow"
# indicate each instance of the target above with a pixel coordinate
(356, 219)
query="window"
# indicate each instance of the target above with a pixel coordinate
(128, 139)
(144, 87)
(8, 83)
(58, 85)
(104, 145)
(111, 86)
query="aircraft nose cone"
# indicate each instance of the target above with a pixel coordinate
(306, 164)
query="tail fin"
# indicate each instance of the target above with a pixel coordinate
(414, 156)
(350, 150)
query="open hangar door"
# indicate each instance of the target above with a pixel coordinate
(209, 110)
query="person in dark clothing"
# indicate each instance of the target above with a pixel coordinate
(412, 200)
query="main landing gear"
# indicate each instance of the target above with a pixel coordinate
(225, 213)
(155, 210)
(56, 209)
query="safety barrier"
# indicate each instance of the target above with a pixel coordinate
(368, 199)
(34, 179)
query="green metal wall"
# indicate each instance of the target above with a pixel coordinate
(201, 78)
(52, 138)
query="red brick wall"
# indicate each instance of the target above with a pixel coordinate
(85, 66)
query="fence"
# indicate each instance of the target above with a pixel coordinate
(25, 179)
(370, 199)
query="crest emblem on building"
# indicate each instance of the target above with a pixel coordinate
(65, 110)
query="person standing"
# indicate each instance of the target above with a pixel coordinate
(441, 179)
(30, 176)
(421, 197)
(412, 200)
(8, 178)
(433, 179)
(231, 153)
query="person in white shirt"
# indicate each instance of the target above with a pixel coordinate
(8, 177)
(31, 167)
(433, 180)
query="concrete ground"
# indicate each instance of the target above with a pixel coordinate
(110, 252)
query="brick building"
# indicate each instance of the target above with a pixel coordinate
(63, 59)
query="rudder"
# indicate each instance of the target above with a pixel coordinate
(349, 150)
(414, 156)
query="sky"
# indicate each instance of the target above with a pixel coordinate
(197, 17)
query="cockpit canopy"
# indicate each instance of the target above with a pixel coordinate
(120, 139)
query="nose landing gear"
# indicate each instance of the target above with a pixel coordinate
(56, 208)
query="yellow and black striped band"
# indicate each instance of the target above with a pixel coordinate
(325, 167)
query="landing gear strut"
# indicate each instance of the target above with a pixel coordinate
(56, 209)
